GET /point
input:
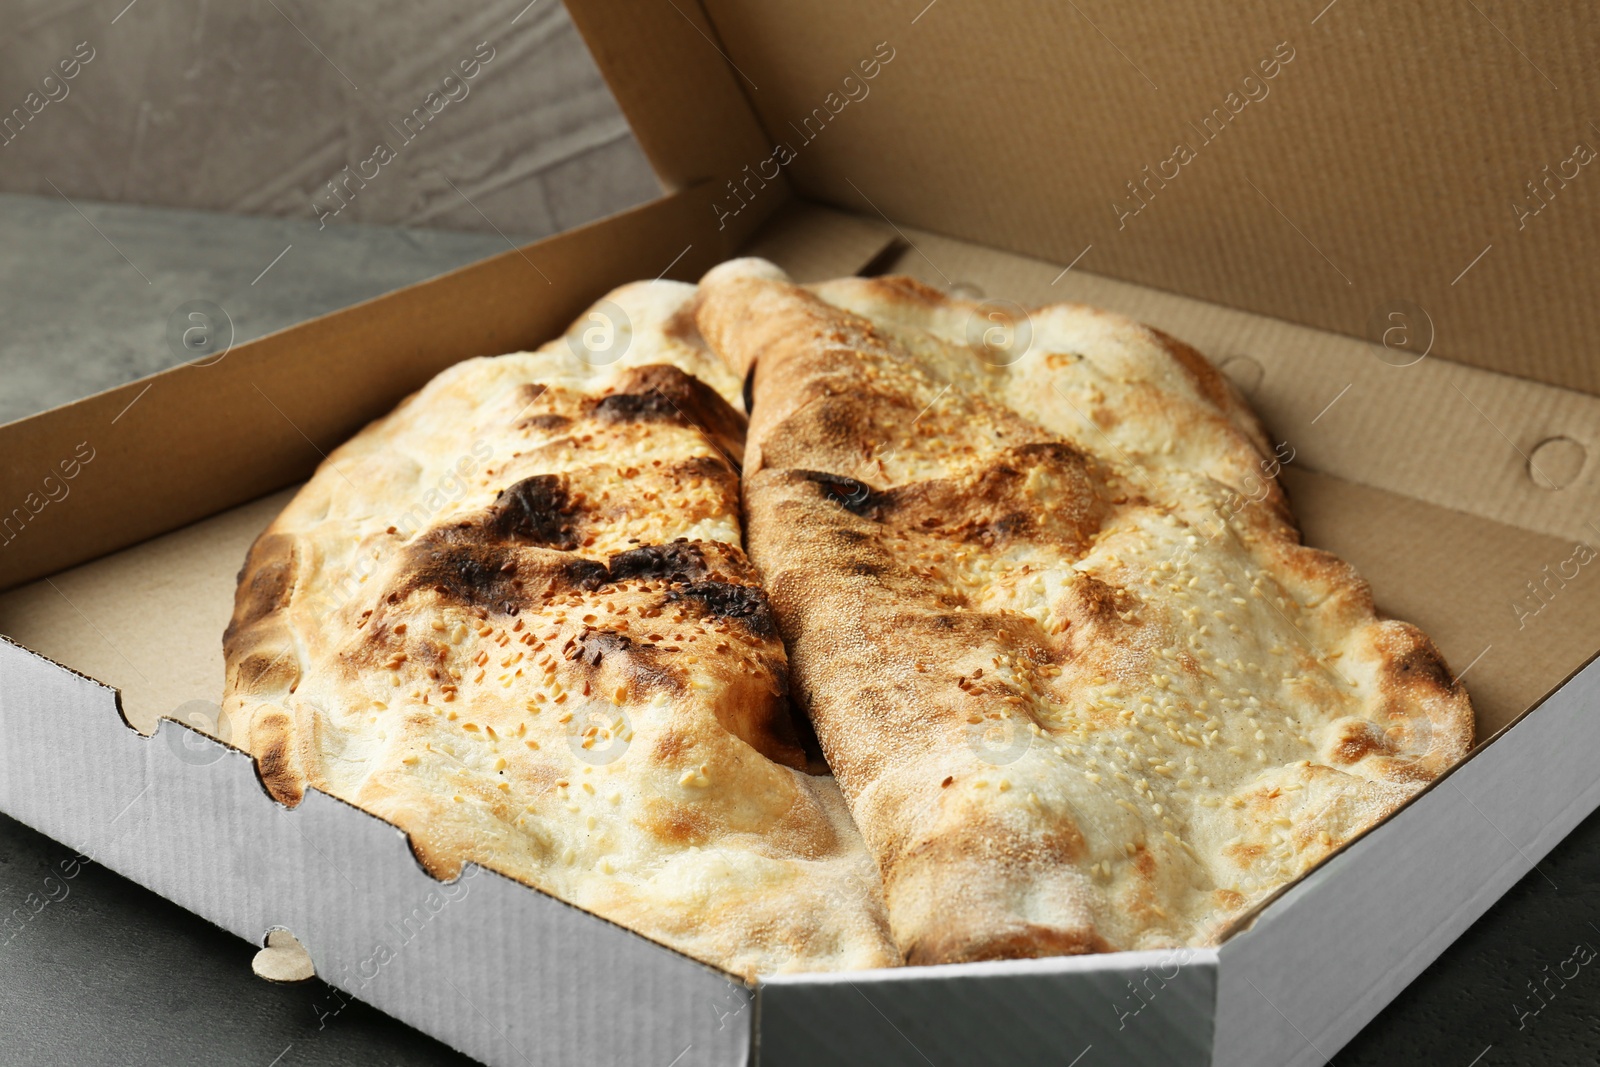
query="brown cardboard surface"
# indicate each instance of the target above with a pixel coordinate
(193, 440)
(671, 77)
(149, 619)
(1382, 162)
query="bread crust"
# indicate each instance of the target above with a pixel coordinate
(515, 618)
(1080, 683)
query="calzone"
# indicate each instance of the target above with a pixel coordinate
(515, 618)
(1081, 684)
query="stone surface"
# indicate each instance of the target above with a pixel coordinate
(254, 108)
(86, 289)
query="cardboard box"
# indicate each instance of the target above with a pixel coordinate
(986, 149)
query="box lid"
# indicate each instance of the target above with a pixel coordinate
(1332, 164)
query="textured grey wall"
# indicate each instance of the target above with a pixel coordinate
(255, 106)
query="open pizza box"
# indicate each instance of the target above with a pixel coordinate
(1390, 254)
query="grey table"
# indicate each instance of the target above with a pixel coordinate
(112, 974)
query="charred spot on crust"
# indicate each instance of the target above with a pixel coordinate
(536, 510)
(858, 498)
(1055, 453)
(429, 654)
(264, 669)
(464, 563)
(638, 662)
(1421, 664)
(863, 421)
(1006, 527)
(635, 407)
(526, 396)
(675, 562)
(550, 422)
(839, 418)
(1094, 602)
(460, 569)
(583, 574)
(745, 604)
(683, 560)
(712, 468)
(1044, 490)
(595, 645)
(663, 392)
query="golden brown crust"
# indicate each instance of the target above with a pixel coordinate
(515, 618)
(1082, 687)
(272, 741)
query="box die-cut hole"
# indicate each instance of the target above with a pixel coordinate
(1556, 462)
(1244, 372)
(283, 959)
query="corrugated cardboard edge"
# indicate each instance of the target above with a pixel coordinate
(483, 963)
(1139, 1009)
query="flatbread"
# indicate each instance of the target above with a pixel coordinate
(1082, 686)
(514, 618)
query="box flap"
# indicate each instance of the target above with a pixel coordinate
(674, 82)
(1330, 164)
